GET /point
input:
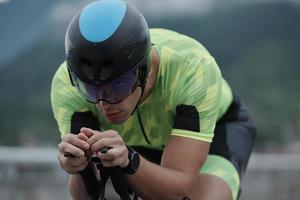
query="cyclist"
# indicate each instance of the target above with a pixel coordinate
(152, 91)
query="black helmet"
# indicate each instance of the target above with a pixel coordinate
(106, 39)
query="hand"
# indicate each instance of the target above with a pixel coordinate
(116, 156)
(72, 150)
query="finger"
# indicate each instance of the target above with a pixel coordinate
(111, 132)
(69, 155)
(106, 142)
(76, 141)
(113, 154)
(65, 148)
(71, 168)
(78, 162)
(101, 135)
(72, 162)
(88, 131)
(105, 134)
(80, 168)
(112, 163)
(105, 149)
(82, 136)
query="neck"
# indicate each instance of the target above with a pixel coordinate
(151, 79)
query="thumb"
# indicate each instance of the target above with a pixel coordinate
(87, 131)
(83, 136)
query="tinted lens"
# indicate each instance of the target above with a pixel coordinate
(113, 92)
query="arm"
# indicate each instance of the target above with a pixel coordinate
(171, 180)
(77, 188)
(175, 176)
(76, 146)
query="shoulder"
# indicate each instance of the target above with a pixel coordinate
(179, 42)
(61, 84)
(61, 75)
(63, 93)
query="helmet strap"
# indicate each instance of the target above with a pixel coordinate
(70, 76)
(142, 83)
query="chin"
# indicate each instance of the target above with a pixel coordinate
(117, 120)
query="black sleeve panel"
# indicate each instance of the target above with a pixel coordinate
(83, 119)
(187, 118)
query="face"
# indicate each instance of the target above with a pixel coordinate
(119, 113)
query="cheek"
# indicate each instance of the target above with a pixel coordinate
(131, 101)
(127, 107)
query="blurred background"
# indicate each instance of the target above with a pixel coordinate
(255, 42)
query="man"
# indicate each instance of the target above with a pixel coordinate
(161, 94)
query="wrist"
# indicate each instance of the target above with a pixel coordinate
(132, 162)
(125, 163)
(77, 188)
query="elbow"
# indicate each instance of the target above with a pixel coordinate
(185, 188)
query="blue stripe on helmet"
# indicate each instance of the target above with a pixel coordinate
(99, 20)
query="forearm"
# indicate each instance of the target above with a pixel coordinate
(77, 188)
(152, 181)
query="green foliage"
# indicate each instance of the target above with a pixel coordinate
(25, 100)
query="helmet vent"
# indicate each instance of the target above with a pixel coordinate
(87, 68)
(86, 61)
(105, 70)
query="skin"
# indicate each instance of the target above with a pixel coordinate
(176, 177)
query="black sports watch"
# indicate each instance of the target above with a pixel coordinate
(134, 162)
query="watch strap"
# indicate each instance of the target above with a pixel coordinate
(133, 163)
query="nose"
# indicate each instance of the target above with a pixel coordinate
(106, 107)
(103, 105)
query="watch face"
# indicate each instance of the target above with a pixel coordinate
(135, 161)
